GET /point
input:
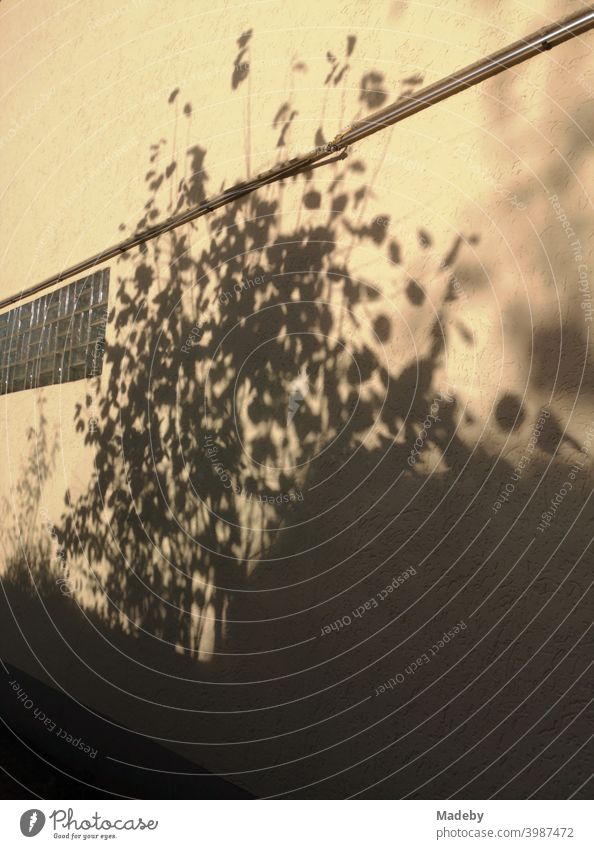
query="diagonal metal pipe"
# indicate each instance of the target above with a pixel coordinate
(526, 48)
(520, 51)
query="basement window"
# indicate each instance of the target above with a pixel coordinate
(57, 338)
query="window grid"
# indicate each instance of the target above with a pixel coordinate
(57, 338)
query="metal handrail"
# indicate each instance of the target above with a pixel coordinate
(410, 104)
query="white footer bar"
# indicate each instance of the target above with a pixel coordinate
(299, 824)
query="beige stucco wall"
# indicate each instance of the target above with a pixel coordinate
(86, 90)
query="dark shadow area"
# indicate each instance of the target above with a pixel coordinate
(60, 750)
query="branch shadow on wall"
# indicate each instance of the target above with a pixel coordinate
(255, 476)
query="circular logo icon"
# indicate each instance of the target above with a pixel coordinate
(32, 822)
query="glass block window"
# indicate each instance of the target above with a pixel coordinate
(57, 338)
